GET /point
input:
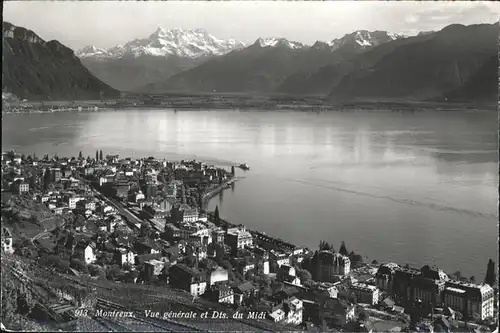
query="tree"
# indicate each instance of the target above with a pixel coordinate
(490, 277)
(356, 258)
(113, 273)
(216, 214)
(325, 246)
(362, 316)
(79, 265)
(80, 156)
(146, 230)
(97, 155)
(96, 270)
(249, 275)
(232, 170)
(304, 275)
(457, 275)
(374, 262)
(343, 249)
(472, 279)
(100, 155)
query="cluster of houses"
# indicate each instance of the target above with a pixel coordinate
(147, 216)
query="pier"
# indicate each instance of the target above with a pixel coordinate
(210, 194)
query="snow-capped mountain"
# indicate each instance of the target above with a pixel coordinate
(364, 39)
(92, 51)
(178, 42)
(273, 42)
(361, 40)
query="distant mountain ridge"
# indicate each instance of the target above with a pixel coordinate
(157, 57)
(35, 69)
(176, 42)
(422, 67)
(267, 63)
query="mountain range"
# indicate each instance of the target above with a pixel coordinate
(268, 62)
(424, 67)
(35, 69)
(162, 54)
(456, 63)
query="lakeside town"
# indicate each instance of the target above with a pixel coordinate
(76, 230)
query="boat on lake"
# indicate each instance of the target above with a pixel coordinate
(244, 166)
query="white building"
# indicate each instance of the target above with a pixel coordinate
(125, 256)
(217, 275)
(190, 215)
(280, 258)
(72, 202)
(238, 238)
(469, 298)
(85, 253)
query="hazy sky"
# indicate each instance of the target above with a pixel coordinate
(108, 23)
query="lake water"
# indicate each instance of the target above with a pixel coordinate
(411, 188)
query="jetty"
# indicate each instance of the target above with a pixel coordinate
(210, 194)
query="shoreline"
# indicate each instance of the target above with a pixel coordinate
(257, 109)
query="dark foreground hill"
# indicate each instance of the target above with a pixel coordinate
(35, 69)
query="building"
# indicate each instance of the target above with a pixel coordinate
(243, 292)
(293, 311)
(330, 288)
(166, 204)
(85, 204)
(7, 241)
(426, 284)
(276, 312)
(469, 299)
(73, 200)
(85, 252)
(190, 215)
(220, 292)
(385, 276)
(187, 279)
(20, 187)
(121, 188)
(365, 293)
(55, 174)
(329, 264)
(280, 258)
(153, 267)
(287, 274)
(238, 238)
(124, 256)
(172, 232)
(244, 265)
(218, 236)
(218, 274)
(336, 311)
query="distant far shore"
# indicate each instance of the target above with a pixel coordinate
(241, 103)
